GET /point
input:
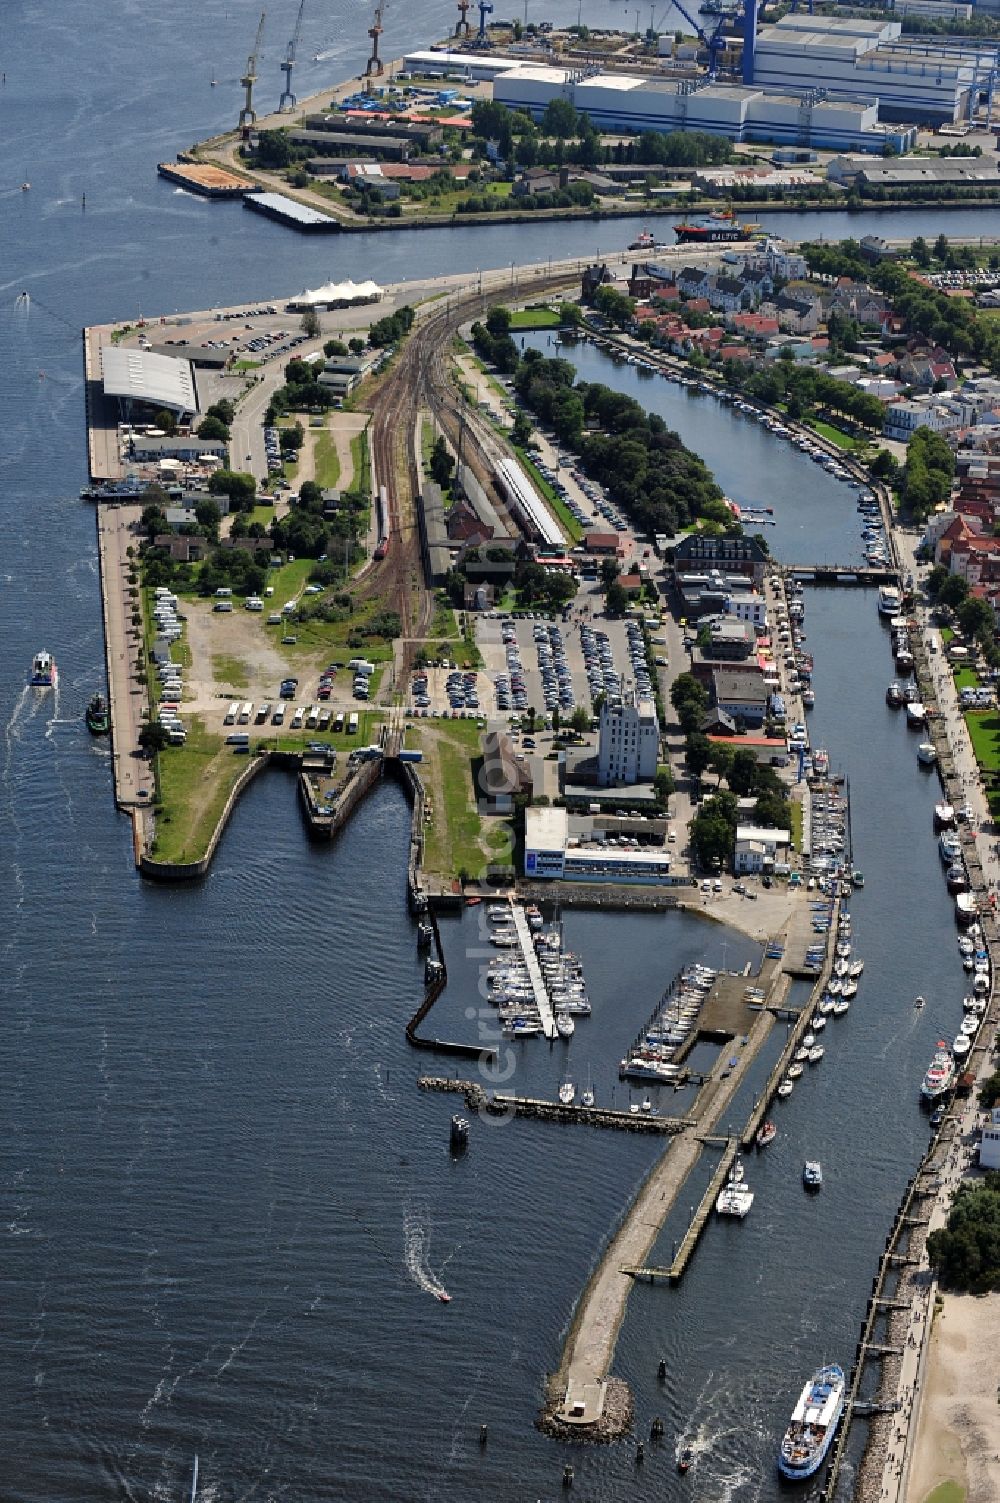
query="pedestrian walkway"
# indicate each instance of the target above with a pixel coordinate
(534, 971)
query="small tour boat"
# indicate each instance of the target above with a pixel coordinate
(43, 671)
(97, 716)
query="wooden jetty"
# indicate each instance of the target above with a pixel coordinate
(675, 1272)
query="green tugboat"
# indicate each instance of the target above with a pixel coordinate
(97, 716)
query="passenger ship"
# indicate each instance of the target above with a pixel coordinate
(813, 1423)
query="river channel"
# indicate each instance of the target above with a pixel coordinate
(222, 1198)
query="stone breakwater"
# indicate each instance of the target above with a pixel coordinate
(615, 1421)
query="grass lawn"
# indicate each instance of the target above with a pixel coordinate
(966, 678)
(834, 435)
(426, 443)
(535, 318)
(795, 813)
(984, 733)
(327, 461)
(947, 635)
(239, 366)
(262, 514)
(361, 460)
(289, 580)
(947, 1492)
(194, 782)
(230, 670)
(452, 838)
(558, 505)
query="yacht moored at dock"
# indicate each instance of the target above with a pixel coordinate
(940, 1073)
(813, 1423)
(889, 601)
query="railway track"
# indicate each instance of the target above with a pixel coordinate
(419, 379)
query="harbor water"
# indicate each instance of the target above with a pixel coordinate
(225, 1208)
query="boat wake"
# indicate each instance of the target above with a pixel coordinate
(716, 1444)
(416, 1250)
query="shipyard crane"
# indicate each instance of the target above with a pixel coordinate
(485, 9)
(288, 100)
(374, 68)
(714, 42)
(463, 28)
(248, 117)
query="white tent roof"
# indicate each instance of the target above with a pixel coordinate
(160, 380)
(340, 292)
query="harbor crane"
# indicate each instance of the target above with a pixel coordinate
(485, 9)
(374, 67)
(464, 27)
(714, 42)
(248, 116)
(288, 100)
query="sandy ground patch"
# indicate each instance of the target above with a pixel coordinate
(958, 1435)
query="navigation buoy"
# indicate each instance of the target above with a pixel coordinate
(483, 1435)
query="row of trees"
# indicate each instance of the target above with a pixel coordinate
(644, 467)
(805, 390)
(573, 196)
(975, 617)
(566, 137)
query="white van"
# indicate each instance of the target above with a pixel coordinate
(278, 718)
(231, 713)
(298, 718)
(312, 719)
(289, 608)
(246, 711)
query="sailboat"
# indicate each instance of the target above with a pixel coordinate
(194, 1480)
(587, 1099)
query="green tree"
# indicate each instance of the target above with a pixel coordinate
(165, 420)
(240, 487)
(941, 247)
(356, 345)
(663, 786)
(498, 320)
(976, 617)
(522, 431)
(154, 736)
(697, 753)
(442, 464)
(211, 427)
(580, 720)
(274, 149)
(616, 600)
(310, 324)
(743, 773)
(335, 347)
(559, 119)
(920, 251)
(209, 516)
(953, 591)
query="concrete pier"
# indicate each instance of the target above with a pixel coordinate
(133, 775)
(534, 971)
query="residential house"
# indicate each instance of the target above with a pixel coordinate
(959, 530)
(730, 295)
(905, 415)
(798, 313)
(756, 326)
(759, 849)
(594, 277)
(925, 371)
(694, 281)
(183, 550)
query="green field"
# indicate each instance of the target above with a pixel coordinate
(833, 435)
(230, 670)
(327, 461)
(361, 480)
(452, 837)
(194, 782)
(984, 733)
(966, 678)
(947, 1492)
(534, 318)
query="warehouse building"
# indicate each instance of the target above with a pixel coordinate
(558, 848)
(477, 67)
(139, 378)
(619, 101)
(434, 543)
(912, 78)
(916, 172)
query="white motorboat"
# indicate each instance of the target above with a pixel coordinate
(919, 1002)
(816, 1054)
(970, 1025)
(801, 1055)
(567, 1093)
(817, 1025)
(786, 1088)
(849, 989)
(840, 1007)
(794, 1071)
(587, 1099)
(916, 714)
(808, 1041)
(565, 1026)
(734, 1200)
(927, 753)
(961, 1045)
(855, 968)
(944, 816)
(834, 986)
(827, 1006)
